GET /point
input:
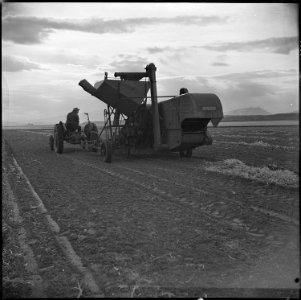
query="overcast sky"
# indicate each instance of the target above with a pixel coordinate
(247, 54)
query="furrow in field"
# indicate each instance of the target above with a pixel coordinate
(264, 202)
(53, 227)
(90, 253)
(213, 185)
(227, 188)
(37, 132)
(259, 143)
(198, 169)
(124, 223)
(233, 215)
(191, 183)
(30, 260)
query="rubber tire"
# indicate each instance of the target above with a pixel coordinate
(84, 145)
(51, 142)
(128, 152)
(59, 138)
(189, 152)
(186, 153)
(106, 151)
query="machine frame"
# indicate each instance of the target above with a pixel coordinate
(178, 124)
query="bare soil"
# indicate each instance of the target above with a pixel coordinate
(153, 225)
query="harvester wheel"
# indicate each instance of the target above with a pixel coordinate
(129, 151)
(189, 152)
(186, 153)
(83, 144)
(51, 142)
(106, 151)
(58, 138)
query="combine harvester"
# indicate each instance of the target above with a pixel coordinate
(178, 124)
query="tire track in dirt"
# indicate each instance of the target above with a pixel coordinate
(62, 179)
(268, 238)
(36, 132)
(62, 241)
(128, 178)
(228, 200)
(91, 158)
(270, 147)
(144, 186)
(125, 187)
(214, 182)
(210, 209)
(31, 265)
(211, 186)
(258, 208)
(232, 231)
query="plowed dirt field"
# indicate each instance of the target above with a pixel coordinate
(224, 223)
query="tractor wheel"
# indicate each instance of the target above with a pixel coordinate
(58, 138)
(189, 152)
(106, 151)
(84, 144)
(186, 153)
(51, 142)
(128, 151)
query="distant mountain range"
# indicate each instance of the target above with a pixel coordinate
(248, 111)
(294, 116)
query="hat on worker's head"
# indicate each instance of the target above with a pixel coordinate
(75, 109)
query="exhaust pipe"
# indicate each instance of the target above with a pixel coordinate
(151, 71)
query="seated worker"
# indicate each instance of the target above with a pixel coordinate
(183, 91)
(72, 122)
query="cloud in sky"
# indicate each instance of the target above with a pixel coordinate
(221, 61)
(244, 87)
(262, 74)
(40, 102)
(250, 90)
(154, 50)
(128, 63)
(242, 52)
(240, 89)
(71, 57)
(12, 63)
(34, 30)
(220, 64)
(11, 9)
(280, 45)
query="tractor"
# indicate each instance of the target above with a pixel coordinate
(89, 139)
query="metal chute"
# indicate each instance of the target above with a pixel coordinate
(123, 95)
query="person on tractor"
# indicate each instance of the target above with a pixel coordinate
(72, 122)
(183, 91)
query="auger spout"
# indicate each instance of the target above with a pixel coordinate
(123, 95)
(87, 87)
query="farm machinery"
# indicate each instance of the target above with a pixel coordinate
(89, 139)
(178, 124)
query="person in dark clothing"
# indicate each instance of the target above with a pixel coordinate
(183, 91)
(72, 123)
